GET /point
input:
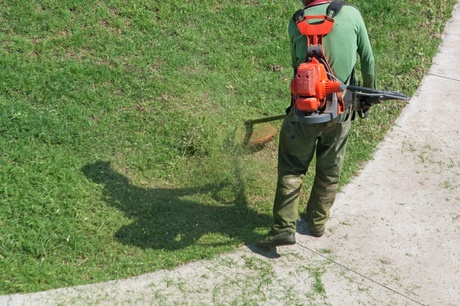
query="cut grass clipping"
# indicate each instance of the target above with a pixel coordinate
(117, 123)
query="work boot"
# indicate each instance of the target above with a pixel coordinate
(317, 233)
(304, 229)
(273, 240)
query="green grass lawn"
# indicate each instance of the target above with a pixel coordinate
(118, 118)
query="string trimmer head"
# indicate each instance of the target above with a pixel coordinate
(263, 134)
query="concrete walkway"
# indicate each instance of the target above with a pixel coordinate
(394, 236)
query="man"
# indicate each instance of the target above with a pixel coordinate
(300, 141)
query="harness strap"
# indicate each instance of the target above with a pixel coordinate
(334, 7)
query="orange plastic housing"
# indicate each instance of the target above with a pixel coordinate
(311, 85)
(315, 28)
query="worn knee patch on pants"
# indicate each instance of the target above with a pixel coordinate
(290, 184)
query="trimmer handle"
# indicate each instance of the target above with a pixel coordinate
(379, 94)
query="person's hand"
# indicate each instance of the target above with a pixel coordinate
(365, 103)
(368, 101)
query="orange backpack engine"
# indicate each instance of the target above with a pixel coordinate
(316, 93)
(311, 86)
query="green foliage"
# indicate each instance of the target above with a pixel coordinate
(117, 123)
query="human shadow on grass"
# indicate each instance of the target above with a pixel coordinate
(173, 218)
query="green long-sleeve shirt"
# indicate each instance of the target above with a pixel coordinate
(347, 39)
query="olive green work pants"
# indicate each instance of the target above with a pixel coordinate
(298, 144)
